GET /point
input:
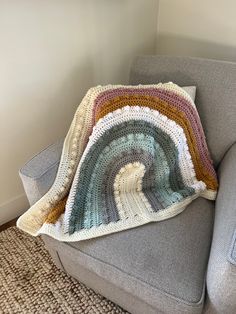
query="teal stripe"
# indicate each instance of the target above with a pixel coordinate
(131, 127)
(110, 212)
(94, 204)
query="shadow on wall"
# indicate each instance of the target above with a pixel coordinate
(55, 102)
(79, 80)
(179, 45)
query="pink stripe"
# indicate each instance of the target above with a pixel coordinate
(171, 98)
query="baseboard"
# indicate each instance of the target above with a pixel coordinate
(13, 208)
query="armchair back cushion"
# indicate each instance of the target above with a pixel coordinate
(216, 92)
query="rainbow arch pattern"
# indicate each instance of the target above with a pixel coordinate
(133, 154)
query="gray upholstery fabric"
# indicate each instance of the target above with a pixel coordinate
(216, 92)
(39, 173)
(232, 250)
(156, 262)
(221, 276)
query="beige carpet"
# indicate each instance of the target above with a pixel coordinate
(30, 283)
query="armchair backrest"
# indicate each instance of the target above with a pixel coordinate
(216, 92)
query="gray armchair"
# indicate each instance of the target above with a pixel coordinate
(186, 264)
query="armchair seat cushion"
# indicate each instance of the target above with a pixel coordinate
(155, 263)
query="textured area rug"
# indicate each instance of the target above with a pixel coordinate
(31, 283)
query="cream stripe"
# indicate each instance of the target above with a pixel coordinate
(58, 232)
(127, 185)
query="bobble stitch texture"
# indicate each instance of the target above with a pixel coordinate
(133, 154)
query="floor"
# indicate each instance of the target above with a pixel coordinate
(30, 282)
(7, 225)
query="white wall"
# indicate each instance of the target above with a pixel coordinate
(51, 52)
(197, 28)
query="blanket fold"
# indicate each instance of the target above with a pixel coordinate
(133, 154)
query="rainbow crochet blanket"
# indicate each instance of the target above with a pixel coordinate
(133, 155)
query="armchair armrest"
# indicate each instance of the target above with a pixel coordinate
(221, 276)
(39, 173)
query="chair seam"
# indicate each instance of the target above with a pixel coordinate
(231, 259)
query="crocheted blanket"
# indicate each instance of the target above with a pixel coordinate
(133, 154)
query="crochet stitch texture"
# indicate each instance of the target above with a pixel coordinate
(133, 154)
